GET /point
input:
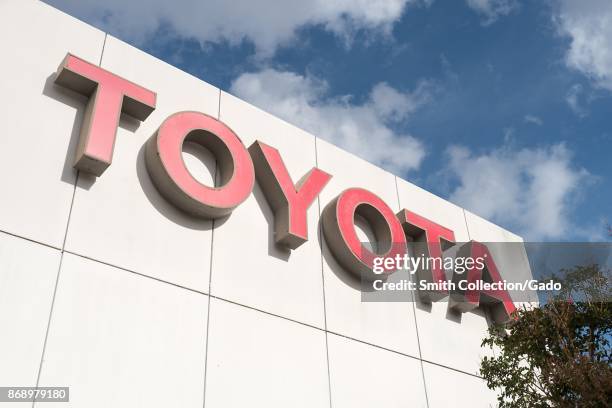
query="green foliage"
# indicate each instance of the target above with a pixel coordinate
(556, 355)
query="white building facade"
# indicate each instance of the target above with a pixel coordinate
(110, 289)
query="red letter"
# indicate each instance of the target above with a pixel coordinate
(289, 203)
(109, 95)
(341, 237)
(465, 300)
(164, 159)
(432, 235)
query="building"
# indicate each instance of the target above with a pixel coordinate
(108, 288)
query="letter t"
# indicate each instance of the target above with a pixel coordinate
(429, 237)
(109, 95)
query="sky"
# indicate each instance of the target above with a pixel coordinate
(503, 107)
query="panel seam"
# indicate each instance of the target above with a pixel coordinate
(320, 234)
(466, 224)
(103, 47)
(55, 288)
(12, 234)
(210, 273)
(271, 314)
(416, 325)
(61, 261)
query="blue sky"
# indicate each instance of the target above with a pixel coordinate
(502, 106)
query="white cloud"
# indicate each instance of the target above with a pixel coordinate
(361, 128)
(491, 10)
(533, 119)
(588, 24)
(531, 190)
(265, 23)
(572, 97)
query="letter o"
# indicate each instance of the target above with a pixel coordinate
(338, 220)
(165, 164)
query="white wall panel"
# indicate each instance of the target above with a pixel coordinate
(120, 218)
(40, 120)
(363, 376)
(511, 259)
(389, 325)
(428, 205)
(452, 338)
(485, 231)
(248, 267)
(28, 273)
(443, 332)
(449, 388)
(259, 360)
(118, 339)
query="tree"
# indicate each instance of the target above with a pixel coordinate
(558, 354)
